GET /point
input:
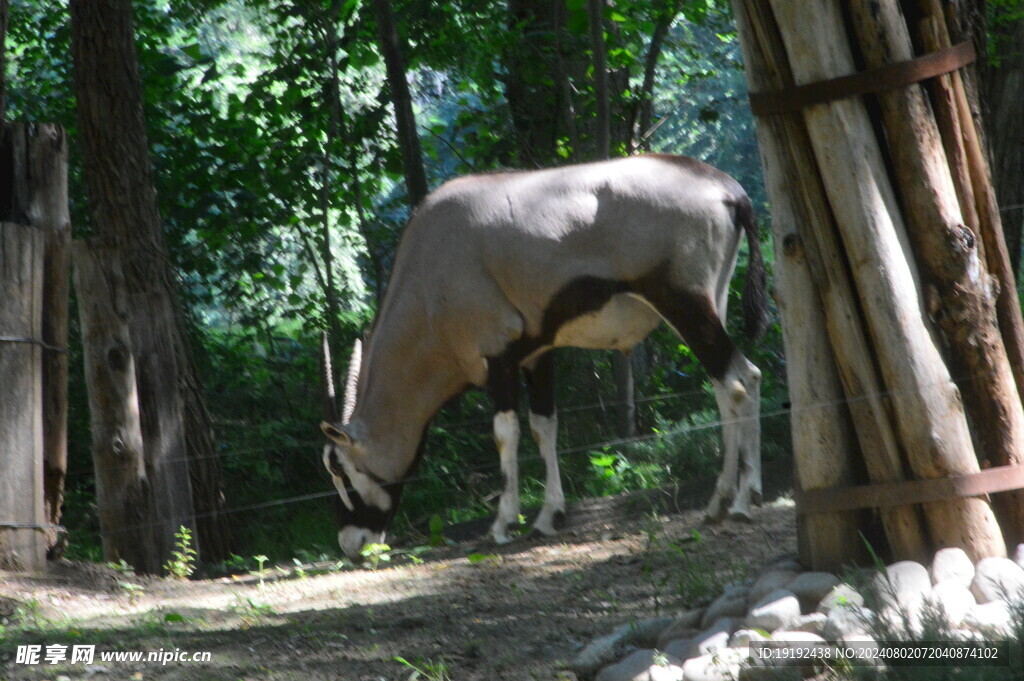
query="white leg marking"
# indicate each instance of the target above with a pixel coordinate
(545, 432)
(506, 435)
(738, 395)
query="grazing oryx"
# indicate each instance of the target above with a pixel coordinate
(495, 270)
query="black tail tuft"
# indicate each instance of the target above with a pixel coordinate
(755, 293)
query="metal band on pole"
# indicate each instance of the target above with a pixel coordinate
(866, 82)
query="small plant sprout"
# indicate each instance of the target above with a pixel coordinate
(260, 560)
(183, 559)
(425, 670)
(132, 590)
(375, 554)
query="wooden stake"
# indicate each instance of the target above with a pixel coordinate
(799, 204)
(945, 248)
(21, 400)
(927, 405)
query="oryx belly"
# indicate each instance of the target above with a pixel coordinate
(622, 322)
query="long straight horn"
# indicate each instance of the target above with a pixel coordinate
(352, 381)
(330, 396)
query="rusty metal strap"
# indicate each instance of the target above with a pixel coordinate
(906, 492)
(876, 80)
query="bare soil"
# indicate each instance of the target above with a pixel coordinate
(483, 612)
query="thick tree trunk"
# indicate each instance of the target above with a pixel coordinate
(1001, 92)
(122, 202)
(22, 543)
(130, 518)
(928, 407)
(401, 99)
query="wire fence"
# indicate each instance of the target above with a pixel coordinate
(595, 446)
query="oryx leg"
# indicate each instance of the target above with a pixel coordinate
(737, 385)
(544, 424)
(503, 382)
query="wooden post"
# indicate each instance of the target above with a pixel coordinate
(928, 409)
(47, 164)
(22, 541)
(128, 516)
(37, 197)
(947, 252)
(935, 36)
(806, 239)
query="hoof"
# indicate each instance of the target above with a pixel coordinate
(741, 516)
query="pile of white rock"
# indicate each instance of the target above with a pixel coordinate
(782, 602)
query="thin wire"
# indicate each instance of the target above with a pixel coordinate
(693, 428)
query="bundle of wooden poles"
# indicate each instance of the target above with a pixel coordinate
(903, 333)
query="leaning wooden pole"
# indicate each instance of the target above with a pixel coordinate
(947, 252)
(806, 238)
(926, 403)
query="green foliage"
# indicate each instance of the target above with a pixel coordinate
(273, 146)
(183, 558)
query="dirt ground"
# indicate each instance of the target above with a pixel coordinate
(476, 610)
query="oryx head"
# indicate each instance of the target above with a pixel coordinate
(367, 502)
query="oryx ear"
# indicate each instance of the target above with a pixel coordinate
(336, 434)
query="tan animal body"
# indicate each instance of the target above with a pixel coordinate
(495, 270)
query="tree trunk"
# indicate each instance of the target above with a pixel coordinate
(405, 117)
(1001, 92)
(22, 543)
(928, 407)
(122, 203)
(130, 519)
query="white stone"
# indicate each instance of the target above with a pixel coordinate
(903, 584)
(686, 626)
(770, 674)
(732, 603)
(997, 579)
(950, 600)
(643, 665)
(777, 609)
(602, 651)
(810, 587)
(679, 648)
(646, 633)
(743, 637)
(904, 622)
(992, 618)
(1018, 555)
(847, 621)
(797, 636)
(814, 623)
(723, 665)
(864, 647)
(673, 636)
(769, 581)
(715, 638)
(952, 565)
(841, 596)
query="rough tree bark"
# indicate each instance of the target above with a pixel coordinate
(22, 544)
(127, 511)
(806, 236)
(928, 407)
(1001, 92)
(405, 117)
(947, 251)
(122, 202)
